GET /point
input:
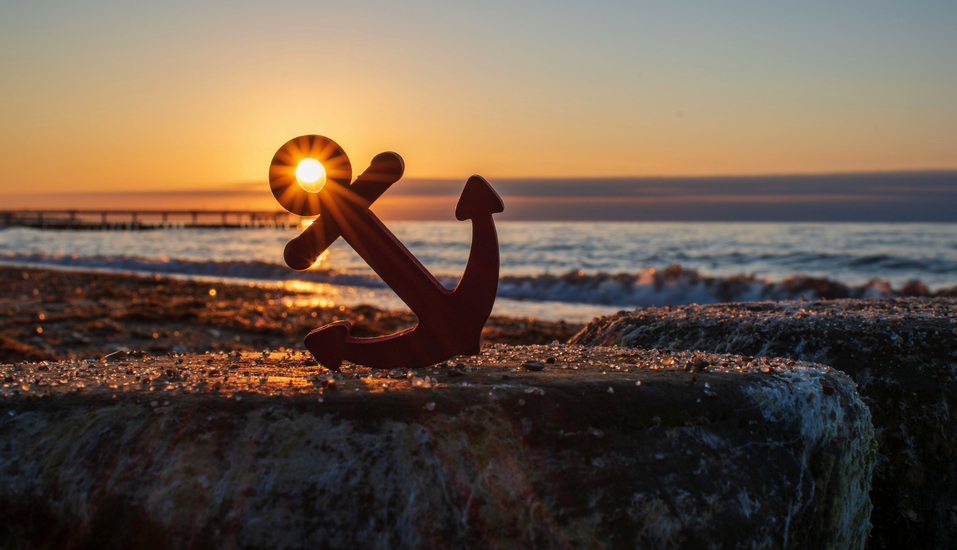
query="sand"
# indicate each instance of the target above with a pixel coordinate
(55, 314)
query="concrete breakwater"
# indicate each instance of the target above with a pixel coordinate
(902, 354)
(524, 446)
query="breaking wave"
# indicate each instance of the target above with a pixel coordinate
(671, 286)
(676, 285)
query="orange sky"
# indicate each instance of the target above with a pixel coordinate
(108, 96)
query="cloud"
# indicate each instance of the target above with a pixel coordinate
(876, 197)
(857, 197)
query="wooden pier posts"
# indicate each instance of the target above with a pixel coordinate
(140, 219)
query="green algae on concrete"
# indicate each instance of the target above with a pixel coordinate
(603, 448)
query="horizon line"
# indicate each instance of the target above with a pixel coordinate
(220, 187)
(848, 196)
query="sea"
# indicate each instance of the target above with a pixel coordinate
(549, 270)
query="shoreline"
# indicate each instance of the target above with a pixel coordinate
(574, 296)
(52, 314)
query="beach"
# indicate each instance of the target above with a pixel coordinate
(557, 271)
(51, 314)
(77, 294)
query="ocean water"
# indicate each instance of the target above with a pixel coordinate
(570, 271)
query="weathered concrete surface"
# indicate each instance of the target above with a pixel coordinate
(901, 352)
(601, 448)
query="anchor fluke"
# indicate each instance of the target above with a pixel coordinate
(328, 344)
(478, 199)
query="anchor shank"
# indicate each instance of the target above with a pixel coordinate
(391, 260)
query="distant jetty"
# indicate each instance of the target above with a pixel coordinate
(145, 219)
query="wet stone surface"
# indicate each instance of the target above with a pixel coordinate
(589, 447)
(901, 352)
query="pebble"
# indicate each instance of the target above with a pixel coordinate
(533, 366)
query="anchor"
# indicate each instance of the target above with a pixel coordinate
(450, 321)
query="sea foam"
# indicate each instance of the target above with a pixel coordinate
(673, 285)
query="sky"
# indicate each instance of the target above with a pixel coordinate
(113, 99)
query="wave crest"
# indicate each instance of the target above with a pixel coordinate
(676, 285)
(671, 286)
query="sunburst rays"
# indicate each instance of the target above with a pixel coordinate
(282, 172)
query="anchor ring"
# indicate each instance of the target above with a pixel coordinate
(290, 192)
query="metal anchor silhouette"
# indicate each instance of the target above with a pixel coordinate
(450, 321)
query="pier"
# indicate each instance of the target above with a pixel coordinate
(139, 219)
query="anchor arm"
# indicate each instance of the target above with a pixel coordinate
(301, 252)
(411, 281)
(475, 293)
(391, 260)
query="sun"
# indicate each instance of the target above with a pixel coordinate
(311, 175)
(302, 168)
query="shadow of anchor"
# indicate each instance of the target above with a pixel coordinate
(450, 321)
